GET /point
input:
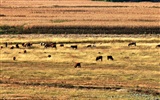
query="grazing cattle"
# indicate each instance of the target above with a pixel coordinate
(42, 44)
(27, 44)
(25, 51)
(14, 58)
(89, 46)
(53, 45)
(77, 65)
(17, 46)
(61, 45)
(6, 44)
(110, 58)
(132, 44)
(99, 58)
(74, 46)
(1, 47)
(157, 46)
(49, 56)
(12, 47)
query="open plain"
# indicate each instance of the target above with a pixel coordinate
(97, 29)
(132, 75)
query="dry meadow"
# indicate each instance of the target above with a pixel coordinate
(132, 75)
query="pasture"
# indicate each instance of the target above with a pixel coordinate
(93, 29)
(132, 75)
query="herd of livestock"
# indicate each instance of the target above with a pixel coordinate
(54, 45)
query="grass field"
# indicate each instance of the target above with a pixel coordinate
(132, 75)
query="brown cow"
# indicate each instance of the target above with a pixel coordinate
(77, 65)
(25, 51)
(99, 58)
(53, 45)
(14, 58)
(28, 44)
(61, 45)
(132, 44)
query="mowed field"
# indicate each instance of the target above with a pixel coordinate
(29, 13)
(132, 75)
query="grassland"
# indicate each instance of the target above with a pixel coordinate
(133, 75)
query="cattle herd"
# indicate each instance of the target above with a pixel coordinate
(54, 45)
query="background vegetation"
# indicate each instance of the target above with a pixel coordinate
(78, 16)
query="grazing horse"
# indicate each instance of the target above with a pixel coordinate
(74, 46)
(77, 65)
(157, 46)
(110, 58)
(99, 58)
(132, 44)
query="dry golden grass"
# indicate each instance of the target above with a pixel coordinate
(132, 75)
(78, 13)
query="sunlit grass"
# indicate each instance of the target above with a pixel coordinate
(132, 68)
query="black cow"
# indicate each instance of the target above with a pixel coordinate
(132, 44)
(157, 46)
(110, 58)
(74, 46)
(77, 65)
(14, 58)
(25, 51)
(12, 47)
(17, 46)
(6, 44)
(49, 56)
(99, 58)
(89, 46)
